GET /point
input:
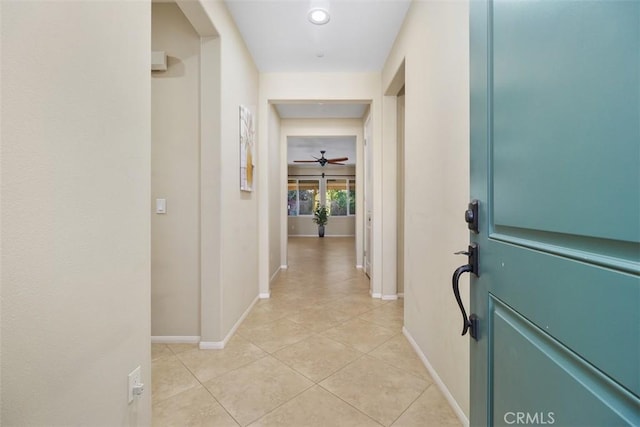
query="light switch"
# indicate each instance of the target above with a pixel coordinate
(161, 206)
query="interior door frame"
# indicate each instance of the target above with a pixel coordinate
(368, 202)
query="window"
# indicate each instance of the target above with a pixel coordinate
(305, 195)
(351, 185)
(308, 196)
(292, 197)
(302, 196)
(341, 196)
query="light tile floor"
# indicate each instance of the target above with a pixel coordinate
(320, 352)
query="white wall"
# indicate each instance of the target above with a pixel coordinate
(175, 167)
(75, 211)
(434, 42)
(234, 239)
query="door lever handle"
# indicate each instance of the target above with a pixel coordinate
(468, 323)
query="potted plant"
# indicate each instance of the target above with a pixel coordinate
(321, 217)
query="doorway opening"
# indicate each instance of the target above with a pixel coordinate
(184, 163)
(400, 194)
(314, 183)
(305, 129)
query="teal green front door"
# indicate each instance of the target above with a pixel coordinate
(555, 167)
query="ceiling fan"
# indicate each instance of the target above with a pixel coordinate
(323, 161)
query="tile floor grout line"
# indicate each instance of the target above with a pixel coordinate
(174, 395)
(411, 404)
(383, 343)
(429, 384)
(340, 398)
(284, 403)
(398, 367)
(209, 391)
(380, 326)
(266, 354)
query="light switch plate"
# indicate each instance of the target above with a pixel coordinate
(161, 206)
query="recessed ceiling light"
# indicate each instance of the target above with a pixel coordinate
(318, 16)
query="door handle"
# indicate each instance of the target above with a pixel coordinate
(469, 324)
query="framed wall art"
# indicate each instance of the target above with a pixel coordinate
(247, 148)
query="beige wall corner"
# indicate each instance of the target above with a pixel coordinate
(274, 196)
(434, 43)
(239, 237)
(75, 211)
(175, 176)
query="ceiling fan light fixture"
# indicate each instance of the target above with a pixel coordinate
(318, 16)
(322, 160)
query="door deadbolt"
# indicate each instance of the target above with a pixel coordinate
(471, 216)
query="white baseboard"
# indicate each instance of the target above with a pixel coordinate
(359, 267)
(181, 339)
(274, 275)
(436, 378)
(211, 345)
(389, 297)
(326, 235)
(219, 345)
(265, 295)
(377, 295)
(284, 267)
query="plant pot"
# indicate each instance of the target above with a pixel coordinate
(321, 231)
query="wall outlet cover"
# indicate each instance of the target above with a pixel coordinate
(135, 378)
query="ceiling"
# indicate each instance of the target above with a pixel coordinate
(357, 38)
(321, 110)
(308, 148)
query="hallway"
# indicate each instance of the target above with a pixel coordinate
(319, 352)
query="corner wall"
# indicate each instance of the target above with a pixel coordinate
(273, 194)
(228, 293)
(75, 211)
(175, 176)
(434, 42)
